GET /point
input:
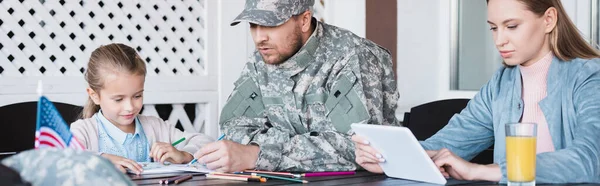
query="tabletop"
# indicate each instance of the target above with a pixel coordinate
(360, 178)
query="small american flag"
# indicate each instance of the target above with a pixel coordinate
(52, 131)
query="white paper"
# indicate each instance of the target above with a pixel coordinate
(159, 168)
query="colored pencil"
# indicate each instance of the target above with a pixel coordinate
(172, 179)
(280, 178)
(235, 175)
(212, 176)
(182, 179)
(284, 174)
(178, 141)
(221, 137)
(257, 171)
(315, 174)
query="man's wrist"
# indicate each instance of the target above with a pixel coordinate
(254, 155)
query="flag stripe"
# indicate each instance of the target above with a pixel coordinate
(48, 139)
(45, 143)
(75, 144)
(45, 131)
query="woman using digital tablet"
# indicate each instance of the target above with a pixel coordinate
(551, 77)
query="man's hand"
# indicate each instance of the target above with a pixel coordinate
(228, 156)
(162, 152)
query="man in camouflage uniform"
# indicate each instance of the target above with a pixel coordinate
(304, 86)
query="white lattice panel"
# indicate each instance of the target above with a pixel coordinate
(55, 38)
(52, 40)
(179, 114)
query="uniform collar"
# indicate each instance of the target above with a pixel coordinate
(117, 134)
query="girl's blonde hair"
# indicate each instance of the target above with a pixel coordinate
(112, 58)
(565, 40)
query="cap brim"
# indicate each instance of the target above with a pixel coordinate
(260, 17)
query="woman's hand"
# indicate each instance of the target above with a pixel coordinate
(162, 152)
(452, 165)
(121, 163)
(367, 157)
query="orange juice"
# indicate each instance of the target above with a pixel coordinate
(520, 158)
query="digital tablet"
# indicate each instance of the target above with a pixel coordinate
(405, 158)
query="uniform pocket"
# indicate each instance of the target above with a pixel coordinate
(344, 106)
(246, 101)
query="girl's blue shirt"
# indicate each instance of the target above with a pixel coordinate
(116, 142)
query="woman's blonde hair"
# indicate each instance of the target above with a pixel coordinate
(565, 40)
(112, 58)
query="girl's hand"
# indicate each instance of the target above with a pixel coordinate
(121, 163)
(367, 157)
(162, 152)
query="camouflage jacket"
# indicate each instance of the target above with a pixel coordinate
(53, 166)
(300, 111)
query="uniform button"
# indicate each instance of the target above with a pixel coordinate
(268, 124)
(314, 133)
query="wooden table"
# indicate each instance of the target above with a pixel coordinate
(360, 178)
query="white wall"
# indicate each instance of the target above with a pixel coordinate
(418, 38)
(348, 14)
(234, 47)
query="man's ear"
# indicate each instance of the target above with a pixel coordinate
(93, 95)
(305, 19)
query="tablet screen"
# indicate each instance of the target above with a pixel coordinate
(404, 155)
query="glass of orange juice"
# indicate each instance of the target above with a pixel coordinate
(520, 153)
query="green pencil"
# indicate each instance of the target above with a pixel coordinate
(281, 178)
(178, 141)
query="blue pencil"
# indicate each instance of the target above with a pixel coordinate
(195, 160)
(221, 137)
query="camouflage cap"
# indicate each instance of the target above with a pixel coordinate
(271, 12)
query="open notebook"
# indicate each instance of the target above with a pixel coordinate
(159, 168)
